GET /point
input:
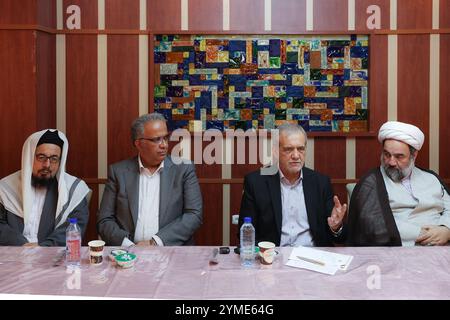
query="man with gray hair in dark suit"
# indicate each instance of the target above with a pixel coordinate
(294, 205)
(150, 199)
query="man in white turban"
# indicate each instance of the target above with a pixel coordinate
(399, 203)
(36, 201)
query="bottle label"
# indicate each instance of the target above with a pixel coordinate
(73, 250)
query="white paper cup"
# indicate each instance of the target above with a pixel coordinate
(96, 251)
(266, 252)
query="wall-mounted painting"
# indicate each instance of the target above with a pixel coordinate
(244, 82)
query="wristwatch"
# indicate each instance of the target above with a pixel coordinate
(337, 233)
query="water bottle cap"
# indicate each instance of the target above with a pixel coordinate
(248, 220)
(73, 220)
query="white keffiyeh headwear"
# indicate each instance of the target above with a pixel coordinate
(17, 194)
(404, 132)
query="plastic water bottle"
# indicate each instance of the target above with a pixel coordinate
(247, 241)
(73, 243)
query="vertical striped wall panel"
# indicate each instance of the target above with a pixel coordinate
(414, 68)
(45, 65)
(330, 159)
(414, 14)
(205, 15)
(123, 77)
(46, 12)
(329, 156)
(444, 99)
(17, 95)
(444, 14)
(122, 14)
(247, 15)
(164, 15)
(123, 94)
(287, 17)
(27, 101)
(368, 148)
(361, 14)
(18, 12)
(330, 15)
(45, 80)
(239, 171)
(81, 102)
(211, 230)
(413, 90)
(89, 13)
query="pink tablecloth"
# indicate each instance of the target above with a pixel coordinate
(184, 273)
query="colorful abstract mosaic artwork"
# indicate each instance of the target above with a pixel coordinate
(244, 82)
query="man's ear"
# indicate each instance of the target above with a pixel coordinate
(136, 144)
(415, 154)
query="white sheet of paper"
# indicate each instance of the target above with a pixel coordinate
(330, 260)
(327, 269)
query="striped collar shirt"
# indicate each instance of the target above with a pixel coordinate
(295, 229)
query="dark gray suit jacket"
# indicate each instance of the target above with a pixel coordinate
(11, 225)
(180, 203)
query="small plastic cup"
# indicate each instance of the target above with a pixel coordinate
(96, 251)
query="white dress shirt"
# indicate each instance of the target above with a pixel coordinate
(31, 228)
(147, 224)
(295, 229)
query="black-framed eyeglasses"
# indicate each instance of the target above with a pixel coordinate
(43, 158)
(157, 140)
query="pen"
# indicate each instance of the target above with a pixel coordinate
(59, 259)
(320, 263)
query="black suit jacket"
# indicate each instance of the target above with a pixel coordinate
(261, 200)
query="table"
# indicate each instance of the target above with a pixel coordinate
(185, 273)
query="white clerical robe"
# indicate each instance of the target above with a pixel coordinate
(418, 202)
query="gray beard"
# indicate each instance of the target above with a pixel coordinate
(397, 175)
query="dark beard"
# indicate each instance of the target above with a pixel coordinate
(42, 182)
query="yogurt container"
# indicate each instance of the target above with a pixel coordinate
(114, 253)
(126, 260)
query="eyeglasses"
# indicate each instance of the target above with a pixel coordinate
(289, 150)
(157, 140)
(43, 158)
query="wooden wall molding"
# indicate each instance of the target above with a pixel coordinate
(220, 32)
